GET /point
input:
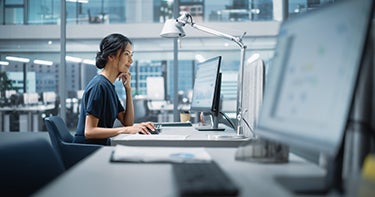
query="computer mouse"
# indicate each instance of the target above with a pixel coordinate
(157, 131)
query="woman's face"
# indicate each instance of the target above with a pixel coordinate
(125, 59)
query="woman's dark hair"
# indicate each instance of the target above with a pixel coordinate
(109, 46)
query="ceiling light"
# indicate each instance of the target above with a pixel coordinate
(4, 63)
(88, 61)
(73, 59)
(17, 59)
(79, 1)
(43, 62)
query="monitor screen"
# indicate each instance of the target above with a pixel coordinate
(49, 97)
(310, 84)
(30, 98)
(252, 92)
(205, 85)
(155, 88)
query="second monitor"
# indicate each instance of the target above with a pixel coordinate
(206, 91)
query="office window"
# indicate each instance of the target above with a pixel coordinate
(13, 16)
(13, 2)
(195, 8)
(238, 10)
(163, 10)
(296, 7)
(96, 12)
(1, 12)
(157, 11)
(185, 77)
(13, 12)
(43, 12)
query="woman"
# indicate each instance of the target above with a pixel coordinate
(100, 104)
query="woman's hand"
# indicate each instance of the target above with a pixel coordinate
(143, 128)
(125, 79)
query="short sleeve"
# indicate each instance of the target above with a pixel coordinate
(120, 108)
(95, 99)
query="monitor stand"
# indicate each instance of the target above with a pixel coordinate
(262, 151)
(330, 181)
(213, 127)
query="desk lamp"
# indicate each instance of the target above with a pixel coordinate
(173, 28)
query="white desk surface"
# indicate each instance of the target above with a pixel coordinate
(97, 176)
(181, 136)
(27, 108)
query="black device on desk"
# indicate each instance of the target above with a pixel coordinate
(312, 87)
(175, 124)
(158, 128)
(203, 179)
(206, 91)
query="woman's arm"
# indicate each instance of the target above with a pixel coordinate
(92, 131)
(127, 117)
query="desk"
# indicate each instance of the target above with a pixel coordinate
(180, 136)
(164, 109)
(96, 176)
(28, 116)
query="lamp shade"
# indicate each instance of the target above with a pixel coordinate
(172, 29)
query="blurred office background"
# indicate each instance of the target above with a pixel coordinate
(30, 51)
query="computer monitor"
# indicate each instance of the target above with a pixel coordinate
(49, 97)
(252, 93)
(155, 88)
(30, 98)
(9, 93)
(206, 91)
(311, 83)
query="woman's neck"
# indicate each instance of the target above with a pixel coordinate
(111, 76)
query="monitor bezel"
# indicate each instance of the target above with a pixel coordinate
(253, 89)
(213, 108)
(332, 154)
(330, 150)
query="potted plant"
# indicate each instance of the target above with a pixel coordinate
(5, 84)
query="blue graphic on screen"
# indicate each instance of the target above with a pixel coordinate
(205, 84)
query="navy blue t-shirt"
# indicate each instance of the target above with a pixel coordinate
(100, 100)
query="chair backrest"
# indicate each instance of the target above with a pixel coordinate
(58, 132)
(62, 141)
(57, 124)
(27, 165)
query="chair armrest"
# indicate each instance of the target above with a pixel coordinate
(72, 153)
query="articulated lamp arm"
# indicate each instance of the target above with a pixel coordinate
(186, 18)
(174, 28)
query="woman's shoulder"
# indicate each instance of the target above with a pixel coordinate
(99, 80)
(98, 83)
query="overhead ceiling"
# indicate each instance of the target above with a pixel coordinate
(43, 41)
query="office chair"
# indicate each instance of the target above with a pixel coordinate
(62, 142)
(27, 165)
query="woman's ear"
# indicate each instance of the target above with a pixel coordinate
(111, 57)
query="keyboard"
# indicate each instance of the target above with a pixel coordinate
(175, 124)
(203, 179)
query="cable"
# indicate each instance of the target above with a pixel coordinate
(232, 124)
(228, 119)
(251, 129)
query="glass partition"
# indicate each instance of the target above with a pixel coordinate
(146, 11)
(153, 57)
